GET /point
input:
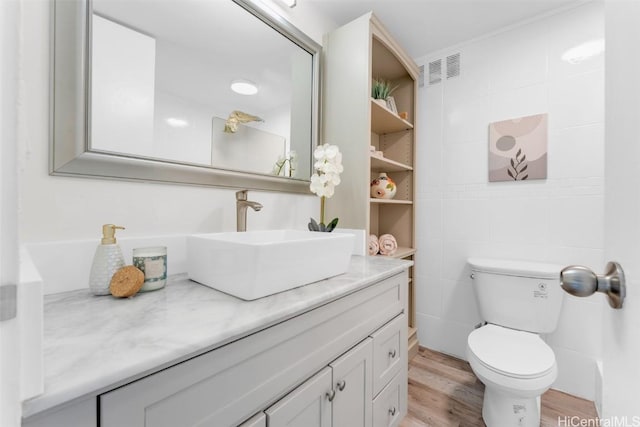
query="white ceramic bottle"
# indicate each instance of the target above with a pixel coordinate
(107, 260)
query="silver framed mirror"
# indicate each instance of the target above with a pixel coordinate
(77, 118)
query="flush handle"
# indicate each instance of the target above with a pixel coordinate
(581, 282)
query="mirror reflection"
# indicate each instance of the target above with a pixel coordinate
(161, 87)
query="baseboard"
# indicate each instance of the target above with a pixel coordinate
(598, 391)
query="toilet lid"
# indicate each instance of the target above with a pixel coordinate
(510, 352)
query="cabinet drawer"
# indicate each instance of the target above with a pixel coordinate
(388, 406)
(387, 351)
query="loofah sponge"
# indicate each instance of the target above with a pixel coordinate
(126, 282)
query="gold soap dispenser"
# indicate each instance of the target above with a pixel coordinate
(107, 260)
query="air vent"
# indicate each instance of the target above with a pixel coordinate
(435, 72)
(453, 65)
(421, 76)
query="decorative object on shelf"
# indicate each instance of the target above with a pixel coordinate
(391, 104)
(381, 90)
(403, 115)
(388, 245)
(280, 169)
(326, 177)
(236, 117)
(374, 152)
(383, 187)
(518, 149)
(373, 245)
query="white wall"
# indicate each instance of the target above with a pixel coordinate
(10, 387)
(621, 365)
(54, 208)
(506, 75)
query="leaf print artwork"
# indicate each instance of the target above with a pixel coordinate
(518, 149)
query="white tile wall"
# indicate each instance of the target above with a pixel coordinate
(460, 214)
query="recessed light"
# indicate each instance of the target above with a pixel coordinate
(244, 87)
(177, 123)
(290, 3)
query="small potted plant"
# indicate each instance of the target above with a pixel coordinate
(380, 90)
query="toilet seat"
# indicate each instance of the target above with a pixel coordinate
(512, 353)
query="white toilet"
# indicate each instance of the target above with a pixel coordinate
(518, 300)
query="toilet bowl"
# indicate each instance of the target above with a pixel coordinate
(516, 367)
(518, 301)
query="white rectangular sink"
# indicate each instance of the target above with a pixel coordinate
(254, 264)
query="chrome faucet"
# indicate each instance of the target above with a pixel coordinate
(241, 208)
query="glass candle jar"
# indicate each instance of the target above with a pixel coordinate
(152, 262)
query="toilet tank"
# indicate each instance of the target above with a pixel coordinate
(520, 295)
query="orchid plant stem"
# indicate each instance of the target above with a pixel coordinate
(322, 209)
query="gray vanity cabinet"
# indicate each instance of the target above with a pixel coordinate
(297, 364)
(331, 366)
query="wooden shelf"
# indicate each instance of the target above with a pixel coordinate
(384, 120)
(401, 253)
(382, 164)
(391, 201)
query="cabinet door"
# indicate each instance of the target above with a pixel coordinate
(353, 386)
(306, 406)
(259, 420)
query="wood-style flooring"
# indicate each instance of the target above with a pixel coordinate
(444, 392)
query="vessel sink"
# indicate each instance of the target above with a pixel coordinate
(254, 264)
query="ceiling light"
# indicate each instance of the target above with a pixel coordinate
(290, 3)
(177, 123)
(583, 51)
(244, 87)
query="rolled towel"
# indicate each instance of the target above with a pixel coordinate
(374, 247)
(388, 244)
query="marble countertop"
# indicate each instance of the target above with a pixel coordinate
(94, 344)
